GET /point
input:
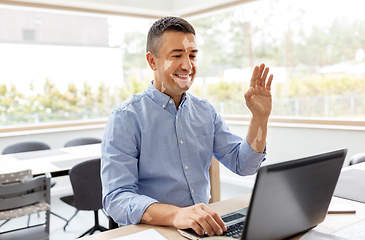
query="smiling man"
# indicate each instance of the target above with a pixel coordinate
(157, 146)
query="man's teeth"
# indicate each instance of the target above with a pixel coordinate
(182, 76)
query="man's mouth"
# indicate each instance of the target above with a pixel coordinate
(183, 80)
(184, 76)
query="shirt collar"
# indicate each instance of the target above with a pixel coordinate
(160, 98)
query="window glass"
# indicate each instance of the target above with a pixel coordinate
(315, 49)
(62, 66)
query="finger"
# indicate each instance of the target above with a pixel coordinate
(204, 220)
(262, 68)
(263, 79)
(196, 227)
(269, 81)
(254, 76)
(217, 219)
(249, 93)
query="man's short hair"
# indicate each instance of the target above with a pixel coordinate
(154, 37)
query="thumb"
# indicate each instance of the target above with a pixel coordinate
(249, 93)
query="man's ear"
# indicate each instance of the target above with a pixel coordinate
(151, 58)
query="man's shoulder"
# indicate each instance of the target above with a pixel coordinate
(200, 102)
(134, 103)
(197, 100)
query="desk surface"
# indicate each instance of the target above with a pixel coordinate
(331, 224)
(55, 161)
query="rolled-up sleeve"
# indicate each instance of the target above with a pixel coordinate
(233, 151)
(119, 170)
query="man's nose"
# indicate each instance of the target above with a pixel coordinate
(186, 63)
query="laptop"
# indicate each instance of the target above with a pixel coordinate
(288, 198)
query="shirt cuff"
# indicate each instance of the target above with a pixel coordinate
(137, 209)
(250, 158)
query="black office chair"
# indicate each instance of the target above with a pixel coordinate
(112, 224)
(82, 141)
(86, 184)
(30, 146)
(74, 143)
(357, 158)
(25, 147)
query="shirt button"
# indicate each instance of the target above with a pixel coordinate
(177, 117)
(192, 190)
(186, 167)
(163, 105)
(181, 142)
(170, 101)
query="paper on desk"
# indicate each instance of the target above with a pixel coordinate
(150, 234)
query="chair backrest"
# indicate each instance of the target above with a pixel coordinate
(25, 147)
(357, 158)
(82, 141)
(86, 184)
(19, 176)
(15, 194)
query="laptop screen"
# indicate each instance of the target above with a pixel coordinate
(293, 196)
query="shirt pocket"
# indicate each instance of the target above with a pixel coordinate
(204, 145)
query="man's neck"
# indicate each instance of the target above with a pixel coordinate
(176, 97)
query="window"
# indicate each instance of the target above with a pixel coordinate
(60, 66)
(315, 49)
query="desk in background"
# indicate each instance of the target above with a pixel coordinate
(56, 161)
(59, 161)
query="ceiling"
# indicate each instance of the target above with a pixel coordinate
(141, 8)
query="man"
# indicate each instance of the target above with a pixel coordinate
(157, 146)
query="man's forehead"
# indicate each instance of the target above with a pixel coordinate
(179, 40)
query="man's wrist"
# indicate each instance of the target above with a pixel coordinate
(264, 119)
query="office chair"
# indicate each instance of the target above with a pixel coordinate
(112, 224)
(82, 141)
(25, 147)
(357, 158)
(86, 184)
(30, 146)
(22, 195)
(74, 143)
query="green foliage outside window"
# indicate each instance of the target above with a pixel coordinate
(238, 38)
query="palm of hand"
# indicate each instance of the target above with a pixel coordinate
(260, 101)
(258, 97)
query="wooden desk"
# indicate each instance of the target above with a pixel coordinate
(332, 223)
(55, 161)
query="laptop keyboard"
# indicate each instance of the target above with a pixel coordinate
(234, 231)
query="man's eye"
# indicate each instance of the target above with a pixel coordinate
(176, 56)
(192, 56)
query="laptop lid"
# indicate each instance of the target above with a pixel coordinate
(293, 196)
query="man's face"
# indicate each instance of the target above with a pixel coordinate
(176, 65)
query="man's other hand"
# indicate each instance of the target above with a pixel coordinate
(200, 218)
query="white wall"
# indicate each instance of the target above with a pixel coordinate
(54, 138)
(288, 142)
(284, 143)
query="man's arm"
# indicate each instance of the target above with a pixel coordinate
(259, 101)
(198, 217)
(119, 170)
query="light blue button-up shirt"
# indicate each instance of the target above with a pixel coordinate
(153, 152)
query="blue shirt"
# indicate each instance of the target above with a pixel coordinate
(153, 152)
